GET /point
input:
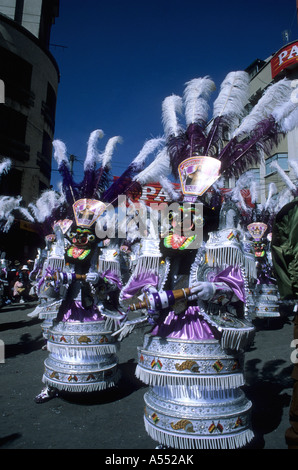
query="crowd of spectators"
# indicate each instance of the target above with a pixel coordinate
(15, 284)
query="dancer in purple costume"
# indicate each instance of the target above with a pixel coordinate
(193, 358)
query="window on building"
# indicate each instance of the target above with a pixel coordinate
(10, 184)
(16, 74)
(19, 11)
(281, 159)
(45, 157)
(13, 134)
(47, 146)
(49, 107)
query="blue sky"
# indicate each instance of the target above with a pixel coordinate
(120, 59)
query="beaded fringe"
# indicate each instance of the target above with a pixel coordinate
(39, 309)
(184, 392)
(80, 352)
(202, 382)
(128, 327)
(56, 264)
(47, 315)
(268, 315)
(224, 256)
(111, 323)
(250, 268)
(188, 442)
(147, 264)
(84, 387)
(124, 331)
(236, 338)
(105, 265)
(35, 312)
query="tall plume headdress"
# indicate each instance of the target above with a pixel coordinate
(11, 206)
(97, 184)
(234, 137)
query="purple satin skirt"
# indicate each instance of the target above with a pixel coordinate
(78, 313)
(189, 325)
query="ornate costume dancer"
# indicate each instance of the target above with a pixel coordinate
(256, 222)
(50, 259)
(193, 357)
(83, 351)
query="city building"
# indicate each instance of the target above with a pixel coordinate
(30, 77)
(283, 63)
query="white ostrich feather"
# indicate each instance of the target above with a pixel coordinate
(160, 166)
(219, 183)
(60, 188)
(294, 164)
(171, 106)
(9, 222)
(167, 185)
(25, 213)
(92, 152)
(283, 175)
(196, 95)
(237, 197)
(275, 95)
(45, 204)
(148, 148)
(253, 192)
(8, 204)
(290, 122)
(106, 156)
(245, 180)
(284, 110)
(271, 191)
(233, 95)
(60, 152)
(284, 197)
(5, 166)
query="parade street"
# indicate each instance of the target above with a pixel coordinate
(113, 419)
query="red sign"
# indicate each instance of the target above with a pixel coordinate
(284, 58)
(154, 193)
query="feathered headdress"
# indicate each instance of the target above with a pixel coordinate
(233, 136)
(264, 213)
(127, 183)
(96, 183)
(96, 168)
(10, 206)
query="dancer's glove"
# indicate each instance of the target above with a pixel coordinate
(93, 278)
(202, 290)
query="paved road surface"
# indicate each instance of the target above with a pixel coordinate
(114, 419)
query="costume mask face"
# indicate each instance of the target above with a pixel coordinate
(82, 240)
(181, 231)
(259, 250)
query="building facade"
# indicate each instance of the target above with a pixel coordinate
(283, 63)
(30, 76)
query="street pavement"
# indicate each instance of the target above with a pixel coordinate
(113, 419)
